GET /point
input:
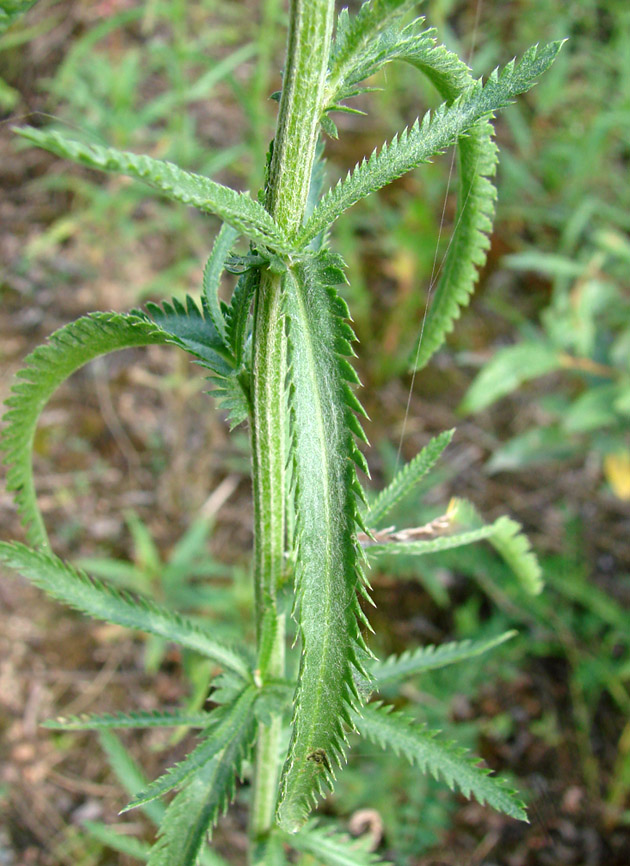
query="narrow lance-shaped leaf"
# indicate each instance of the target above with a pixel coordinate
(46, 368)
(137, 719)
(132, 778)
(328, 570)
(428, 658)
(226, 723)
(235, 208)
(513, 545)
(196, 808)
(406, 478)
(397, 732)
(430, 137)
(73, 587)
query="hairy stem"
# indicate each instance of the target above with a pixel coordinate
(310, 30)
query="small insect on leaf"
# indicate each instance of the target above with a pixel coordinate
(319, 756)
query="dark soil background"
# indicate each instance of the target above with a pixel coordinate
(137, 431)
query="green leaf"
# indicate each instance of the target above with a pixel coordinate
(194, 332)
(212, 276)
(226, 724)
(513, 545)
(196, 808)
(508, 540)
(406, 478)
(360, 42)
(73, 587)
(401, 734)
(429, 658)
(235, 208)
(430, 137)
(237, 315)
(46, 368)
(330, 848)
(137, 719)
(477, 154)
(507, 370)
(328, 565)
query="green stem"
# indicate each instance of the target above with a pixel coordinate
(310, 31)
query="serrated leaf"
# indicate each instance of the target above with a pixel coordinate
(194, 811)
(45, 369)
(226, 724)
(401, 734)
(194, 332)
(431, 136)
(429, 658)
(406, 478)
(238, 313)
(477, 154)
(360, 42)
(237, 209)
(137, 719)
(328, 565)
(509, 540)
(330, 848)
(73, 587)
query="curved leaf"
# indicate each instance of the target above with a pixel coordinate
(513, 545)
(237, 209)
(46, 368)
(509, 368)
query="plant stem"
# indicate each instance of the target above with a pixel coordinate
(310, 31)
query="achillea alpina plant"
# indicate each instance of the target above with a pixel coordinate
(279, 357)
